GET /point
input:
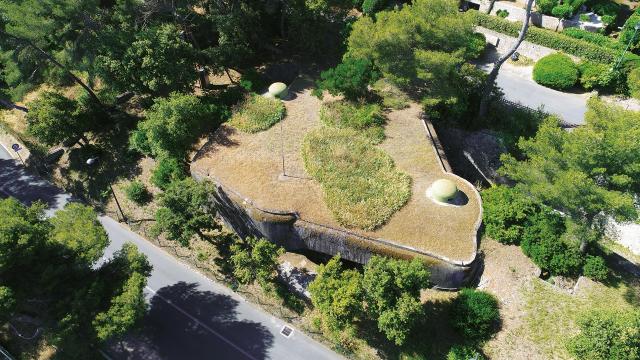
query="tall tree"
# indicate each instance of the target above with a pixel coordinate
(53, 118)
(490, 81)
(256, 260)
(590, 174)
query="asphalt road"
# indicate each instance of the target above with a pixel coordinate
(518, 86)
(190, 316)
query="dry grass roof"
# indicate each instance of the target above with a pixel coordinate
(251, 165)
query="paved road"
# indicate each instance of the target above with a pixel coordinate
(190, 317)
(518, 86)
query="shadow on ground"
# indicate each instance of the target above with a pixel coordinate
(170, 334)
(17, 182)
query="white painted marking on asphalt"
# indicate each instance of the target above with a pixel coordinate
(205, 326)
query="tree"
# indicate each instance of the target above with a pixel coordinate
(172, 125)
(350, 78)
(590, 174)
(338, 295)
(186, 209)
(167, 170)
(77, 228)
(505, 213)
(7, 303)
(158, 61)
(392, 293)
(607, 334)
(52, 119)
(255, 260)
(475, 314)
(490, 81)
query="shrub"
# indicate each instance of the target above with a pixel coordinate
(476, 46)
(475, 315)
(543, 242)
(464, 352)
(583, 17)
(505, 213)
(563, 11)
(556, 71)
(137, 192)
(167, 170)
(392, 96)
(595, 75)
(595, 268)
(350, 78)
(594, 38)
(502, 13)
(257, 113)
(545, 6)
(370, 7)
(552, 39)
(633, 82)
(368, 118)
(606, 334)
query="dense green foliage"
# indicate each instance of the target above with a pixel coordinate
(350, 78)
(389, 290)
(185, 210)
(423, 47)
(628, 33)
(256, 260)
(506, 213)
(633, 82)
(167, 170)
(173, 124)
(607, 335)
(464, 352)
(53, 118)
(552, 39)
(594, 38)
(475, 315)
(257, 113)
(137, 192)
(595, 268)
(368, 119)
(589, 174)
(556, 71)
(370, 7)
(56, 261)
(338, 295)
(596, 76)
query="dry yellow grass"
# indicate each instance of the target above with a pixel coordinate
(251, 164)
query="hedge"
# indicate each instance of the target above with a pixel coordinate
(594, 38)
(551, 39)
(556, 71)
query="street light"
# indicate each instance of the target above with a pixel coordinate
(92, 161)
(635, 31)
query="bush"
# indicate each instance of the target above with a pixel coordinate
(595, 75)
(505, 213)
(543, 242)
(137, 192)
(628, 30)
(167, 170)
(368, 118)
(556, 71)
(633, 82)
(502, 13)
(464, 352)
(350, 78)
(370, 7)
(545, 6)
(606, 334)
(595, 268)
(552, 39)
(563, 11)
(475, 315)
(392, 96)
(257, 113)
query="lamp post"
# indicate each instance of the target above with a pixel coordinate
(635, 31)
(92, 161)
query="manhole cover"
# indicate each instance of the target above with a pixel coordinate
(286, 331)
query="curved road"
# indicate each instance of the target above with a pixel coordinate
(190, 316)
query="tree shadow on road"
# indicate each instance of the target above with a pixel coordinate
(168, 333)
(16, 181)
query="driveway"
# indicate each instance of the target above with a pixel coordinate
(190, 316)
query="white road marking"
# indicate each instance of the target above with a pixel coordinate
(205, 326)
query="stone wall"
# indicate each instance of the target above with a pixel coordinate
(517, 13)
(528, 49)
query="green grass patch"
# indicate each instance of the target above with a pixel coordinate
(392, 96)
(362, 187)
(552, 313)
(368, 119)
(257, 113)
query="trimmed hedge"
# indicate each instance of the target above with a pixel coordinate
(551, 39)
(556, 71)
(633, 82)
(594, 38)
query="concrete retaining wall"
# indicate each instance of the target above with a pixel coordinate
(517, 13)
(528, 49)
